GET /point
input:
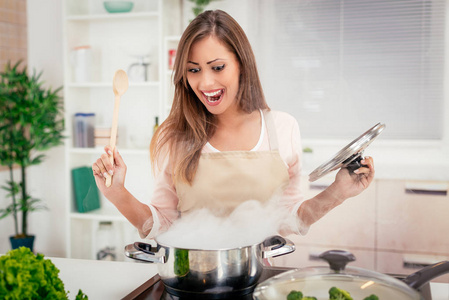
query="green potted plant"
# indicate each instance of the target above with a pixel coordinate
(31, 121)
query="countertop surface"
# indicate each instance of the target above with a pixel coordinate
(114, 280)
(103, 279)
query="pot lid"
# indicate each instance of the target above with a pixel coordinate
(318, 281)
(350, 155)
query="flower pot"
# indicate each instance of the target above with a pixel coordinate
(17, 242)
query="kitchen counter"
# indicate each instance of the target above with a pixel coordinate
(103, 279)
(114, 280)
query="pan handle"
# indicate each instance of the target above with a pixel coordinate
(418, 279)
(145, 252)
(280, 247)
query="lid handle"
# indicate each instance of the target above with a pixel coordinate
(337, 259)
(354, 162)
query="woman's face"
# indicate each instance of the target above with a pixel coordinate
(213, 73)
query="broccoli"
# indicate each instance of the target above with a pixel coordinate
(339, 294)
(295, 295)
(334, 294)
(182, 265)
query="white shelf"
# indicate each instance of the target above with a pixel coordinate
(139, 31)
(100, 150)
(102, 214)
(100, 17)
(109, 84)
(113, 39)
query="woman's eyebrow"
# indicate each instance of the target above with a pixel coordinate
(209, 62)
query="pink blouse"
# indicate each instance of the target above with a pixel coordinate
(164, 201)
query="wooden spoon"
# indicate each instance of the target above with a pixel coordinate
(120, 86)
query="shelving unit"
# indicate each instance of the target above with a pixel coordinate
(116, 16)
(109, 84)
(115, 40)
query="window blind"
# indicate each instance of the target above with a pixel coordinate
(342, 66)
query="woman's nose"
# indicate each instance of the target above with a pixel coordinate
(207, 80)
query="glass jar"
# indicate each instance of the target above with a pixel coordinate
(105, 241)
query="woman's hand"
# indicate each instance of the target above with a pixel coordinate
(102, 168)
(349, 184)
(135, 211)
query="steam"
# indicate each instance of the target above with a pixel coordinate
(250, 223)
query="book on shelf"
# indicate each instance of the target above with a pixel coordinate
(83, 130)
(85, 190)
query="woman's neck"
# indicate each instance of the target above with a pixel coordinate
(238, 131)
(232, 119)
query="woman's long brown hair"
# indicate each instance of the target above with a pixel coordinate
(190, 125)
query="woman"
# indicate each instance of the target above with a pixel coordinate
(221, 144)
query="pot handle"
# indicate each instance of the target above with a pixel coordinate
(421, 277)
(145, 252)
(280, 247)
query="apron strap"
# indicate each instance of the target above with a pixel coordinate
(271, 130)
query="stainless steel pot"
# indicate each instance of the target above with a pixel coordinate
(360, 283)
(210, 274)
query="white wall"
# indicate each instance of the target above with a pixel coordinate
(46, 180)
(45, 53)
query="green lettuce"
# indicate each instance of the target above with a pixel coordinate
(24, 275)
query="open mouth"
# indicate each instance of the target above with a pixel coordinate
(214, 97)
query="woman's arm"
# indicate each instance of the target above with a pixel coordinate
(135, 211)
(346, 185)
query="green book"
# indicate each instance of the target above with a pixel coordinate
(85, 190)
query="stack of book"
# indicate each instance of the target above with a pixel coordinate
(102, 136)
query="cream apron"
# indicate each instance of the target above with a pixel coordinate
(226, 179)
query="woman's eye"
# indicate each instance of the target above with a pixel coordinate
(193, 70)
(218, 68)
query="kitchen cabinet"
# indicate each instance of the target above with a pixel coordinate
(350, 226)
(412, 216)
(404, 263)
(412, 225)
(96, 44)
(395, 227)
